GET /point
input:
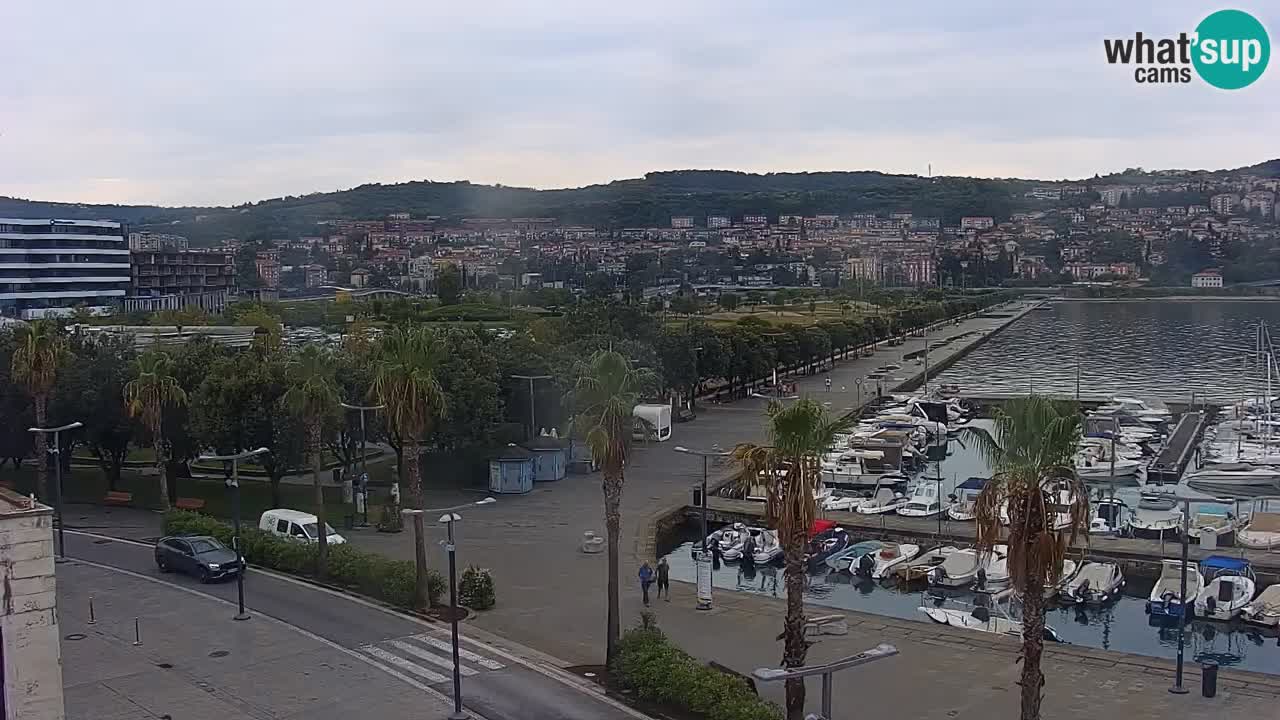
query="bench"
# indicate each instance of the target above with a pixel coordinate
(115, 497)
(189, 504)
(826, 625)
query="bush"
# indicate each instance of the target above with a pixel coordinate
(391, 581)
(477, 589)
(656, 670)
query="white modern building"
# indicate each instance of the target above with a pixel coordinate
(1207, 279)
(50, 267)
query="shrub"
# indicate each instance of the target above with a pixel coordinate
(476, 591)
(655, 669)
(391, 581)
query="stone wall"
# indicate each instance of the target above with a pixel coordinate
(32, 661)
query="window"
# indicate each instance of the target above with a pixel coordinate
(312, 529)
(203, 546)
(181, 546)
(296, 531)
(282, 527)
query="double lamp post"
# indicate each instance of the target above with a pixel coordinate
(233, 484)
(704, 558)
(56, 451)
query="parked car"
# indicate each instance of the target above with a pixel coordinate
(296, 525)
(197, 555)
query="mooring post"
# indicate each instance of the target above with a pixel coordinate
(137, 633)
(92, 620)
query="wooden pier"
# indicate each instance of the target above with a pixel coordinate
(1169, 465)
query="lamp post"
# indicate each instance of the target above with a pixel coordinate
(364, 452)
(826, 670)
(704, 562)
(449, 518)
(234, 485)
(56, 452)
(533, 429)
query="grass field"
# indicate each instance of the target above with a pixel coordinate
(790, 314)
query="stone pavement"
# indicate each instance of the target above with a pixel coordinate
(195, 663)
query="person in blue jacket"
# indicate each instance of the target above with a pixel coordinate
(646, 579)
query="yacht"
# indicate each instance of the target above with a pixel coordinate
(1110, 517)
(859, 469)
(1166, 600)
(1229, 586)
(1096, 582)
(1238, 475)
(884, 501)
(1265, 609)
(924, 501)
(966, 498)
(1090, 467)
(1153, 523)
(1135, 407)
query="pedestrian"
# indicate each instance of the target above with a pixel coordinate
(646, 579)
(664, 578)
(828, 384)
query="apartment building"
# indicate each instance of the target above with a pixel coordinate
(156, 241)
(182, 277)
(49, 267)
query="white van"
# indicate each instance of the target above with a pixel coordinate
(656, 425)
(295, 525)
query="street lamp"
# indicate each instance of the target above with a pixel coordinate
(879, 652)
(364, 453)
(56, 451)
(703, 561)
(449, 518)
(533, 429)
(234, 484)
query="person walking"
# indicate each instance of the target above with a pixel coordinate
(828, 384)
(664, 578)
(646, 579)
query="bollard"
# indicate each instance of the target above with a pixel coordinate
(92, 621)
(137, 633)
(1209, 678)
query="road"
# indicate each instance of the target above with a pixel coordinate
(499, 683)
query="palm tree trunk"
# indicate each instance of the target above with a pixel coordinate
(1032, 643)
(322, 534)
(422, 600)
(612, 486)
(162, 463)
(794, 645)
(42, 448)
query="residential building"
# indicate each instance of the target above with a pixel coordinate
(1263, 201)
(977, 223)
(1207, 279)
(1089, 271)
(1224, 203)
(682, 222)
(398, 216)
(359, 278)
(48, 267)
(755, 220)
(1113, 196)
(156, 241)
(866, 268)
(718, 222)
(268, 264)
(313, 276)
(190, 277)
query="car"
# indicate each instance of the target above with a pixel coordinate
(200, 556)
(297, 526)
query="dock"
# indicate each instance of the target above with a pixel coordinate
(1173, 458)
(1139, 557)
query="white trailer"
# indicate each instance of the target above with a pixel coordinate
(656, 425)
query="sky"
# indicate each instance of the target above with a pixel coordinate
(177, 103)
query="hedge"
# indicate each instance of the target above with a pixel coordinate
(476, 590)
(391, 581)
(656, 670)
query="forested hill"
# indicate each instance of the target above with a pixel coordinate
(647, 201)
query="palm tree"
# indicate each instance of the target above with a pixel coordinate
(312, 397)
(146, 396)
(41, 347)
(1030, 453)
(604, 397)
(405, 382)
(789, 469)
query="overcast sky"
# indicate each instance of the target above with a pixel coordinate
(167, 102)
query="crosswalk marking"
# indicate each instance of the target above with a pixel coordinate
(463, 653)
(403, 664)
(446, 663)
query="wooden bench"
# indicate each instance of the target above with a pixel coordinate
(115, 497)
(192, 504)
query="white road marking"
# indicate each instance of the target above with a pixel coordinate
(403, 664)
(446, 663)
(463, 653)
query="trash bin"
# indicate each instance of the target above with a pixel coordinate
(1209, 678)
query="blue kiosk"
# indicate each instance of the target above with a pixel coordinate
(550, 461)
(511, 471)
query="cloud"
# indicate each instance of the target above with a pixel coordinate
(244, 100)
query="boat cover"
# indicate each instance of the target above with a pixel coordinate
(1222, 562)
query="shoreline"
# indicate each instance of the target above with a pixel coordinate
(1165, 298)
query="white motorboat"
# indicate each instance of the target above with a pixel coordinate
(924, 563)
(924, 501)
(891, 556)
(1135, 407)
(884, 501)
(1264, 609)
(1110, 517)
(982, 618)
(1239, 475)
(746, 542)
(1100, 449)
(1156, 501)
(859, 469)
(1229, 586)
(1090, 468)
(962, 567)
(767, 547)
(1096, 582)
(728, 537)
(1261, 533)
(993, 575)
(1069, 570)
(966, 498)
(1155, 523)
(842, 561)
(1213, 525)
(1166, 598)
(843, 500)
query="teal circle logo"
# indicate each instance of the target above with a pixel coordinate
(1232, 49)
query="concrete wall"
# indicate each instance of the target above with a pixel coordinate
(28, 611)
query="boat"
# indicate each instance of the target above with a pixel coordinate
(1229, 586)
(924, 501)
(1166, 599)
(923, 564)
(767, 547)
(891, 556)
(1069, 570)
(1234, 475)
(1262, 532)
(884, 501)
(826, 544)
(728, 537)
(1110, 517)
(859, 469)
(1134, 407)
(981, 618)
(1089, 467)
(1096, 582)
(1212, 525)
(843, 500)
(966, 498)
(956, 570)
(746, 542)
(1156, 501)
(1155, 523)
(1264, 609)
(843, 560)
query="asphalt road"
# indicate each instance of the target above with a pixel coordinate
(496, 684)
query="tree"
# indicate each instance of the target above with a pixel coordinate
(405, 381)
(729, 301)
(604, 398)
(146, 396)
(449, 285)
(40, 349)
(789, 467)
(312, 398)
(1031, 455)
(90, 384)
